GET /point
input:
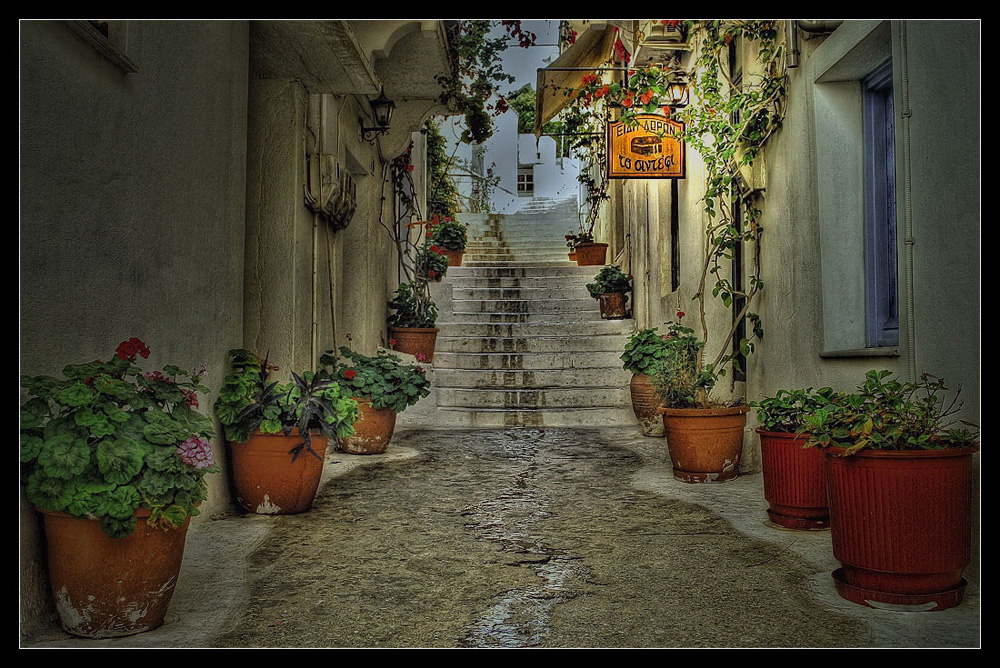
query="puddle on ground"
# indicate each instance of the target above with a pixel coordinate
(521, 617)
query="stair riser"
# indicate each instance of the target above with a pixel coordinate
(481, 317)
(589, 328)
(505, 294)
(527, 306)
(551, 398)
(527, 361)
(614, 378)
(565, 344)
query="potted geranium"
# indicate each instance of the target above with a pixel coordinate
(588, 252)
(411, 324)
(383, 386)
(642, 352)
(114, 459)
(279, 432)
(794, 482)
(705, 438)
(899, 478)
(611, 288)
(450, 237)
(432, 263)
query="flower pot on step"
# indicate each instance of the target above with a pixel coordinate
(705, 444)
(454, 257)
(373, 432)
(644, 405)
(267, 481)
(901, 526)
(107, 587)
(591, 254)
(794, 481)
(612, 306)
(416, 341)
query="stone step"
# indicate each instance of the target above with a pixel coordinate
(529, 344)
(532, 379)
(563, 397)
(539, 306)
(528, 361)
(555, 291)
(583, 328)
(501, 255)
(554, 264)
(486, 418)
(516, 244)
(523, 271)
(526, 318)
(524, 283)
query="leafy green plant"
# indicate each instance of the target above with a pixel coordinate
(384, 379)
(310, 402)
(787, 411)
(676, 375)
(885, 414)
(108, 439)
(443, 194)
(448, 233)
(610, 279)
(573, 239)
(432, 263)
(411, 308)
(644, 349)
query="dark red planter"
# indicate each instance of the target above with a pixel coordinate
(901, 526)
(612, 305)
(794, 482)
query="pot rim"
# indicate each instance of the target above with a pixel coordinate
(866, 453)
(781, 434)
(414, 329)
(593, 243)
(703, 412)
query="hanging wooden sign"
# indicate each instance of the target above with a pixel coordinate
(650, 150)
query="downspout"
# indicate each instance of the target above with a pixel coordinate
(314, 123)
(908, 241)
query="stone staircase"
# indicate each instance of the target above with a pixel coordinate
(522, 343)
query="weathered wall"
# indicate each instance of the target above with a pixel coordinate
(132, 208)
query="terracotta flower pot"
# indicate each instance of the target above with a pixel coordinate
(107, 587)
(705, 444)
(612, 306)
(265, 479)
(454, 257)
(372, 433)
(591, 254)
(901, 526)
(644, 405)
(415, 341)
(572, 256)
(794, 481)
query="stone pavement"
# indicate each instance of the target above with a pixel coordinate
(521, 538)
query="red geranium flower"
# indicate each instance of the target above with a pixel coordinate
(127, 350)
(434, 249)
(431, 273)
(589, 79)
(647, 96)
(627, 102)
(680, 314)
(392, 342)
(350, 373)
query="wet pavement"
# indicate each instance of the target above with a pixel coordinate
(522, 538)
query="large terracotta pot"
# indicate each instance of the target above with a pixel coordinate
(612, 306)
(644, 405)
(591, 254)
(705, 444)
(415, 341)
(106, 587)
(794, 481)
(372, 433)
(901, 526)
(265, 479)
(454, 257)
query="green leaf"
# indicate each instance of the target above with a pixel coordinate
(64, 456)
(270, 426)
(48, 493)
(76, 394)
(113, 387)
(118, 527)
(31, 445)
(119, 460)
(120, 503)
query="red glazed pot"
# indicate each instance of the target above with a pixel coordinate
(265, 479)
(901, 525)
(794, 482)
(591, 254)
(705, 443)
(415, 341)
(454, 257)
(372, 433)
(107, 587)
(644, 405)
(612, 305)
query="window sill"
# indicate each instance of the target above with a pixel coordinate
(888, 351)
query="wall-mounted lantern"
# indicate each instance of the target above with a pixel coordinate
(382, 112)
(678, 93)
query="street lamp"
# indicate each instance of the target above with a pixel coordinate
(382, 112)
(678, 93)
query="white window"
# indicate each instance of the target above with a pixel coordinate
(526, 182)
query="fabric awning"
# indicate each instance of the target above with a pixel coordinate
(591, 50)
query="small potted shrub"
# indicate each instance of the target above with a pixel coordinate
(411, 324)
(383, 386)
(705, 438)
(450, 236)
(644, 349)
(432, 263)
(114, 459)
(279, 432)
(794, 481)
(611, 288)
(899, 478)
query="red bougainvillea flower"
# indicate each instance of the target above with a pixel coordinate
(350, 373)
(572, 37)
(190, 398)
(127, 350)
(589, 79)
(627, 102)
(680, 314)
(647, 96)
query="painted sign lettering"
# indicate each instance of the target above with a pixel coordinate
(648, 149)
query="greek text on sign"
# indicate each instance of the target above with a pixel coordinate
(649, 150)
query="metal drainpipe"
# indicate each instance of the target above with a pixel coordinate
(908, 241)
(315, 119)
(792, 35)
